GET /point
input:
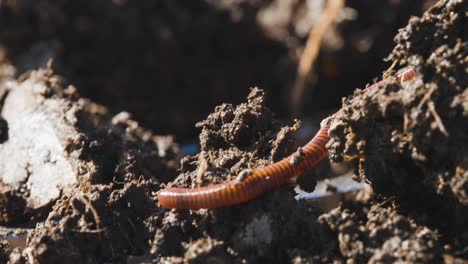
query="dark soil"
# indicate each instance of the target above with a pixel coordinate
(98, 173)
(85, 181)
(410, 141)
(233, 139)
(375, 232)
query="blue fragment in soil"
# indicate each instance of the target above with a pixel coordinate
(189, 149)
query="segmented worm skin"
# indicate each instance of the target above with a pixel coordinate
(261, 180)
(406, 74)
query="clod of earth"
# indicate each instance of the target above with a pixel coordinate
(411, 142)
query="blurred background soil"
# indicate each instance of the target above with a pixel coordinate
(170, 62)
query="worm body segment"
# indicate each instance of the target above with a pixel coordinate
(406, 74)
(260, 180)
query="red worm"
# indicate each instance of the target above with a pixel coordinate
(406, 74)
(262, 179)
(259, 180)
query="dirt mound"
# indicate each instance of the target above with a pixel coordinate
(409, 140)
(237, 138)
(71, 162)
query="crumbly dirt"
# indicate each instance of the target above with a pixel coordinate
(233, 139)
(375, 232)
(94, 185)
(409, 140)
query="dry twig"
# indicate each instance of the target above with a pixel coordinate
(311, 51)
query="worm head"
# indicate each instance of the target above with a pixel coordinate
(406, 74)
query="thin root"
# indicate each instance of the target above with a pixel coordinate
(389, 71)
(97, 220)
(437, 118)
(426, 97)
